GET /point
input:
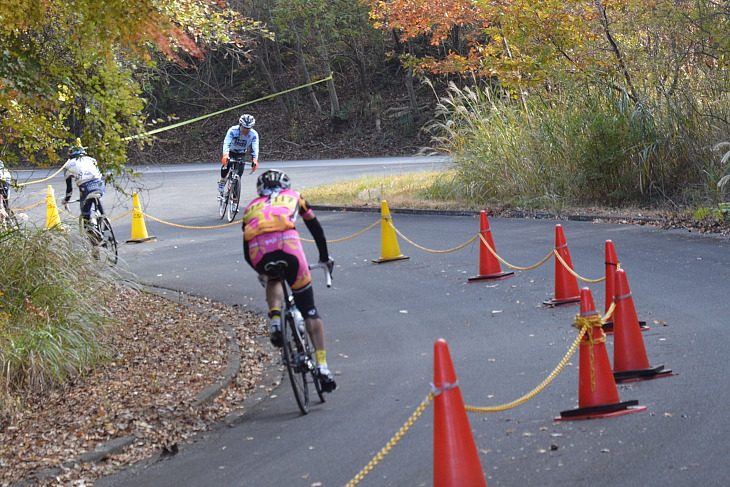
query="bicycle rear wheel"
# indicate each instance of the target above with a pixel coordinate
(233, 200)
(295, 361)
(108, 243)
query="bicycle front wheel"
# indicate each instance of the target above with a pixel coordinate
(108, 243)
(223, 203)
(294, 360)
(233, 200)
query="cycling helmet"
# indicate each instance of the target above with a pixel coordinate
(77, 150)
(272, 180)
(246, 121)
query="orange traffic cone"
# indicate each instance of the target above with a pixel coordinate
(455, 458)
(597, 393)
(630, 362)
(566, 284)
(489, 268)
(389, 249)
(611, 265)
(139, 229)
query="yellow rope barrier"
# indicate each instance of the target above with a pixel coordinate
(122, 215)
(27, 183)
(425, 249)
(346, 238)
(583, 324)
(16, 210)
(188, 226)
(484, 241)
(393, 441)
(567, 267)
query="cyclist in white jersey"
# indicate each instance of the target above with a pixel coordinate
(238, 139)
(85, 170)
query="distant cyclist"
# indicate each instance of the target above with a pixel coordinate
(269, 236)
(6, 179)
(238, 139)
(85, 170)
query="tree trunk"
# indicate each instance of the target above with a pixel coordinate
(307, 78)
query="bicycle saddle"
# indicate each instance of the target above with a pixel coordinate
(276, 266)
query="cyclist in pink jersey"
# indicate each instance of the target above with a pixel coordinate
(269, 235)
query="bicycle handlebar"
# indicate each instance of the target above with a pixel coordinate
(327, 266)
(241, 161)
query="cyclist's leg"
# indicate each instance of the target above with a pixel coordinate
(274, 293)
(304, 299)
(85, 205)
(224, 175)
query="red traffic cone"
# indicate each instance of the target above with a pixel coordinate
(566, 285)
(455, 458)
(612, 264)
(489, 268)
(597, 393)
(630, 362)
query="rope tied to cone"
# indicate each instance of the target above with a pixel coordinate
(589, 324)
(435, 391)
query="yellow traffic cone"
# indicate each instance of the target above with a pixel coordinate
(139, 229)
(389, 249)
(52, 218)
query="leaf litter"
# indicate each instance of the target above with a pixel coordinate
(166, 353)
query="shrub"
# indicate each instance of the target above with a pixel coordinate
(52, 310)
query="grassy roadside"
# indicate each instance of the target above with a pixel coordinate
(416, 190)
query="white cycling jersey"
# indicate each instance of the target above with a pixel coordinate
(237, 142)
(83, 169)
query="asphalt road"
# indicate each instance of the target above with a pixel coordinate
(382, 321)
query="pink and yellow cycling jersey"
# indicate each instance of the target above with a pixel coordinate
(275, 213)
(268, 226)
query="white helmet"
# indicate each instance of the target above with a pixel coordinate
(246, 121)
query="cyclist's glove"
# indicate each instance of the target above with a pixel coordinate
(254, 164)
(330, 263)
(224, 160)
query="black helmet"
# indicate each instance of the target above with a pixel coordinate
(246, 121)
(271, 180)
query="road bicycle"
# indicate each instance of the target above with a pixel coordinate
(98, 230)
(228, 202)
(297, 352)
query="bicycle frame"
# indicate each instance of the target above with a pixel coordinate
(228, 206)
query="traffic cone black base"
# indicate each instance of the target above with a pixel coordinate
(642, 374)
(560, 302)
(602, 411)
(608, 327)
(493, 277)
